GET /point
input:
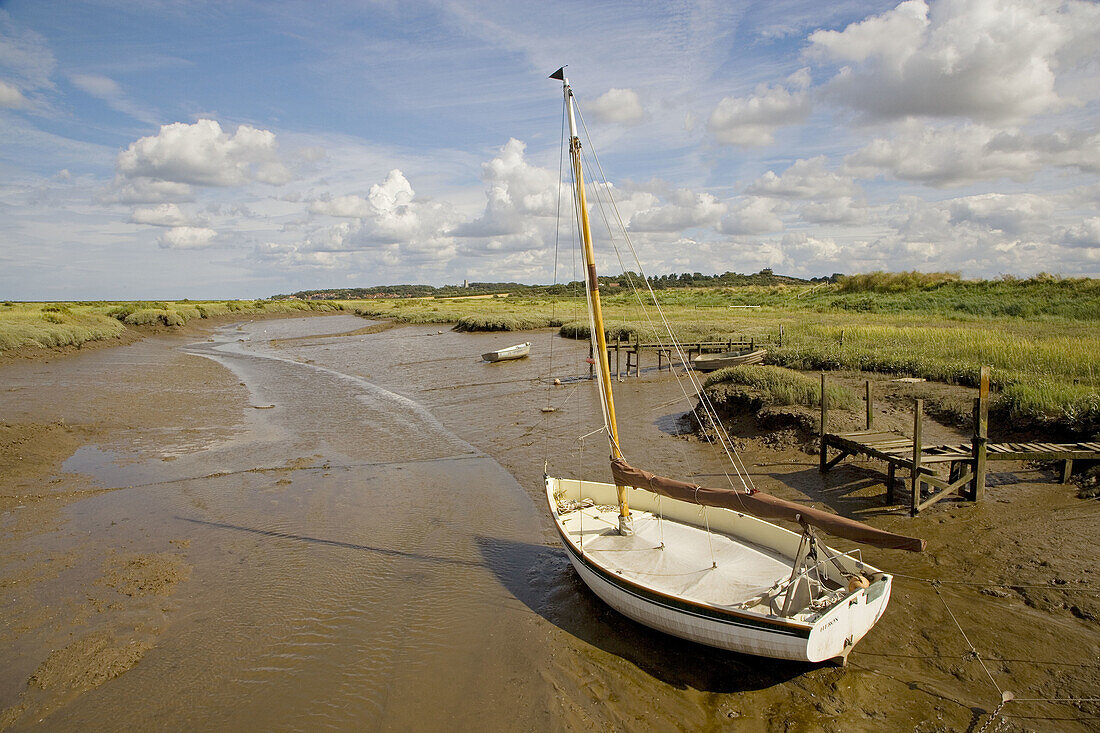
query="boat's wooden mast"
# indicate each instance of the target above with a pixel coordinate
(600, 338)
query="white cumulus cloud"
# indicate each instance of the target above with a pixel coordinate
(165, 215)
(1023, 215)
(10, 96)
(754, 215)
(752, 121)
(389, 214)
(516, 193)
(805, 179)
(202, 154)
(988, 60)
(350, 206)
(1085, 234)
(684, 209)
(187, 238)
(620, 106)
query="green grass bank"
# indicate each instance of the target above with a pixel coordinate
(58, 325)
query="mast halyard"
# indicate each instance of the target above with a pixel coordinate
(626, 524)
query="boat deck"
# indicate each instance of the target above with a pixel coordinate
(723, 571)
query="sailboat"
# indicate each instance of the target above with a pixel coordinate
(706, 564)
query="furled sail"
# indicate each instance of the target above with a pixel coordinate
(761, 505)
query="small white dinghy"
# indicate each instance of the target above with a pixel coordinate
(518, 351)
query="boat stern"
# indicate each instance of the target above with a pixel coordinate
(840, 629)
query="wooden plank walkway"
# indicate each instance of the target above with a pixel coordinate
(966, 475)
(631, 352)
(894, 446)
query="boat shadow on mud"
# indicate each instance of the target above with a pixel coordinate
(844, 490)
(542, 578)
(332, 543)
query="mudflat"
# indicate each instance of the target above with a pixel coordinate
(304, 522)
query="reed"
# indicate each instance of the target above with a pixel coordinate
(762, 385)
(466, 314)
(54, 325)
(1045, 366)
(892, 282)
(502, 323)
(1040, 335)
(49, 329)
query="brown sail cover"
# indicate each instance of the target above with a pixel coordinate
(763, 506)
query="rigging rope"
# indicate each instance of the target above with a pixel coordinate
(554, 302)
(704, 401)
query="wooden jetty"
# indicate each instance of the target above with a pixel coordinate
(966, 475)
(628, 354)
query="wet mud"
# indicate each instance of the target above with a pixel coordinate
(311, 523)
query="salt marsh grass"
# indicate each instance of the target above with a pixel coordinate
(1041, 336)
(55, 325)
(773, 385)
(467, 314)
(22, 326)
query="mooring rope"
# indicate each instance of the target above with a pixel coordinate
(1007, 696)
(977, 655)
(995, 584)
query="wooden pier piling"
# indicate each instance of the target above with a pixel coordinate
(967, 462)
(981, 435)
(823, 462)
(869, 403)
(628, 353)
(914, 470)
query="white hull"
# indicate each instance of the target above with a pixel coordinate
(712, 362)
(518, 351)
(646, 583)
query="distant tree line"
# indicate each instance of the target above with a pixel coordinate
(607, 282)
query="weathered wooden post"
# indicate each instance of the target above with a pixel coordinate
(618, 366)
(1067, 470)
(591, 363)
(981, 436)
(891, 477)
(824, 412)
(781, 335)
(914, 479)
(637, 357)
(870, 405)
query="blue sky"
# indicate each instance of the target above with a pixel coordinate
(240, 149)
